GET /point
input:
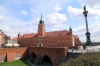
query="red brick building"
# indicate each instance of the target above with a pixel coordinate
(62, 38)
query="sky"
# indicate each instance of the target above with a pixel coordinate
(23, 16)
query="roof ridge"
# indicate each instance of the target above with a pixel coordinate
(57, 31)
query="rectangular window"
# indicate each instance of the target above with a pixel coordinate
(62, 41)
(58, 41)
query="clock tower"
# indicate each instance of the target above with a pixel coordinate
(41, 27)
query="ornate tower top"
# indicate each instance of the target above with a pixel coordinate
(70, 29)
(41, 21)
(19, 34)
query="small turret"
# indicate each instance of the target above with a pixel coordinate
(18, 38)
(19, 34)
(70, 29)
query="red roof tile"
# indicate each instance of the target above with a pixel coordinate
(56, 33)
(28, 35)
(76, 37)
(4, 35)
(15, 38)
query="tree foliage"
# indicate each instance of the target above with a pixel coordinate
(85, 59)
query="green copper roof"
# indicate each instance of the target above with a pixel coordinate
(70, 29)
(41, 21)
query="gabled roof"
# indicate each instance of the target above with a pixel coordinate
(15, 38)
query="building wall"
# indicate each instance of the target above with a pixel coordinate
(28, 42)
(59, 41)
(3, 38)
(77, 42)
(50, 41)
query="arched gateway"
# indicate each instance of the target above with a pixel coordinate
(46, 60)
(33, 56)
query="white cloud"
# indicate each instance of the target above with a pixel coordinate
(2, 7)
(93, 29)
(57, 8)
(77, 12)
(90, 3)
(24, 12)
(14, 28)
(4, 18)
(54, 20)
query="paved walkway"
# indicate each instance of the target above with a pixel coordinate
(28, 61)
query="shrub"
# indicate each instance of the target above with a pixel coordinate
(85, 59)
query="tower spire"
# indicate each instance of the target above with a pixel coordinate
(41, 15)
(70, 29)
(18, 34)
(41, 21)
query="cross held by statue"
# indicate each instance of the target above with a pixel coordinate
(85, 12)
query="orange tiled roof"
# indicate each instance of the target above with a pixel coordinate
(75, 36)
(15, 38)
(4, 35)
(53, 33)
(56, 33)
(28, 35)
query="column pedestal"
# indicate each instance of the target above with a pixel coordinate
(88, 42)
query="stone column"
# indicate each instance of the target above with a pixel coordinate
(88, 40)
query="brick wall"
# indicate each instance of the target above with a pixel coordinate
(56, 54)
(11, 54)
